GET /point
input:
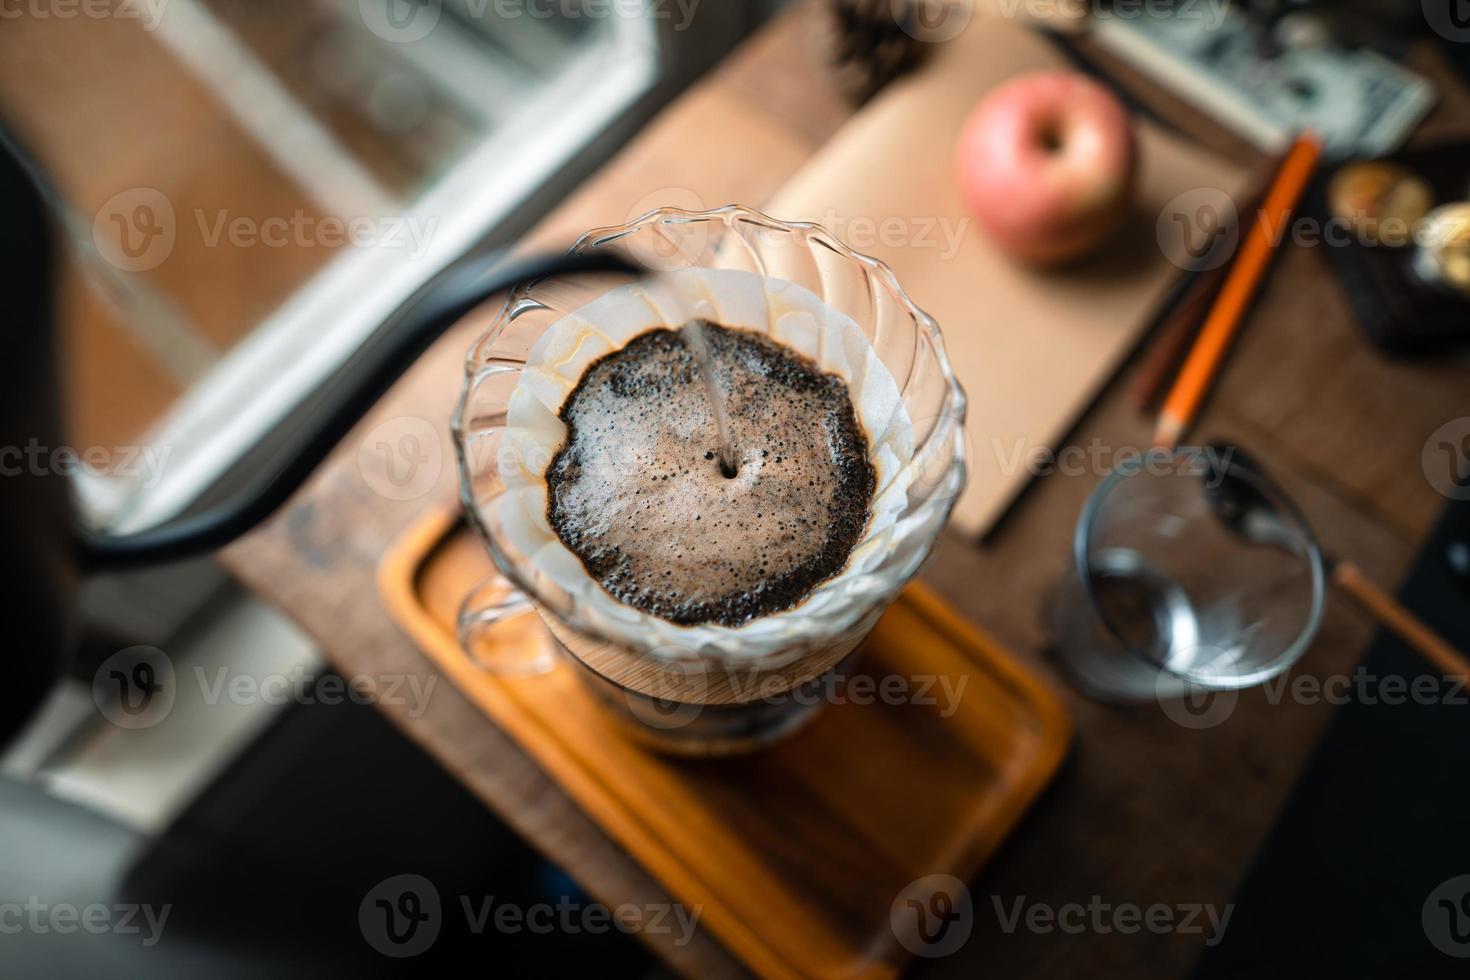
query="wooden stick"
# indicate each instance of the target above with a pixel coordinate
(1240, 285)
(1178, 324)
(1410, 628)
(1176, 333)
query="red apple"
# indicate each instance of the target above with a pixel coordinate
(1046, 163)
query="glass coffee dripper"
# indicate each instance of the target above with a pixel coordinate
(679, 697)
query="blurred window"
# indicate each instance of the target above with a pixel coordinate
(249, 186)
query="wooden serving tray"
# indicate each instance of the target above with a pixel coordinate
(796, 853)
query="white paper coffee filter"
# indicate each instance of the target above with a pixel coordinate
(784, 311)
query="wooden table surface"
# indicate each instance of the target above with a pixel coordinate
(1145, 810)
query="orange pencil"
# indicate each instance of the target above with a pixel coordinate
(1240, 285)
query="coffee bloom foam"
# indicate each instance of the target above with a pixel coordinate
(786, 313)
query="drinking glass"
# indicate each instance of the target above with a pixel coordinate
(689, 706)
(1165, 598)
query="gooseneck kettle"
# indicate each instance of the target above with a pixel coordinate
(45, 546)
